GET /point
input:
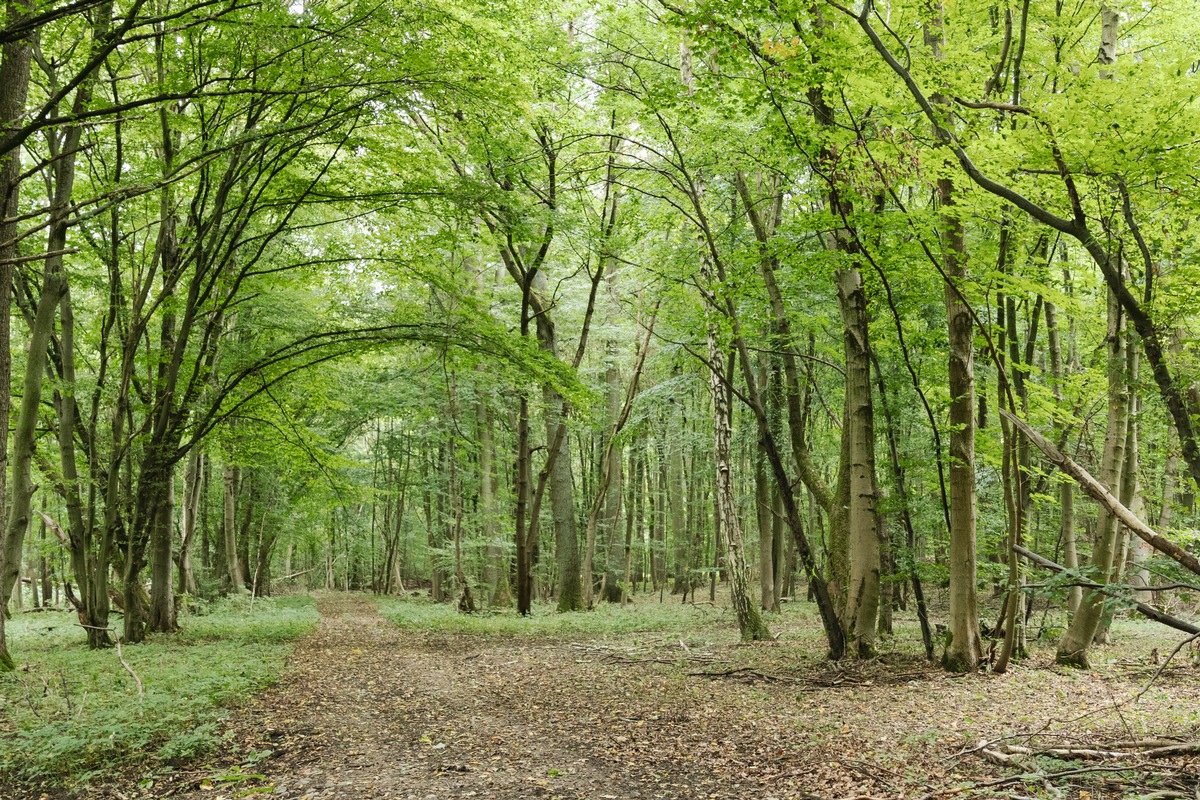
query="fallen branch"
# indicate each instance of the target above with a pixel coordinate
(1171, 751)
(1160, 587)
(1156, 750)
(747, 673)
(1100, 493)
(1159, 671)
(1000, 759)
(1150, 612)
(120, 657)
(56, 529)
(1145, 744)
(295, 575)
(1067, 752)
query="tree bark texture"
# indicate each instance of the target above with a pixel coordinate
(1073, 648)
(750, 622)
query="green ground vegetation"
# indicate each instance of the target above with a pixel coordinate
(68, 712)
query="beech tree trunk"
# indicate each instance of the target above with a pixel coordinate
(862, 589)
(495, 573)
(234, 577)
(658, 558)
(21, 461)
(964, 651)
(1130, 493)
(676, 492)
(764, 515)
(610, 519)
(1073, 648)
(192, 476)
(562, 508)
(1066, 490)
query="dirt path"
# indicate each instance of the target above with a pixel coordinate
(369, 710)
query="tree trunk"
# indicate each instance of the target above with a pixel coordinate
(1130, 492)
(862, 591)
(823, 592)
(764, 508)
(634, 519)
(676, 492)
(1066, 490)
(192, 475)
(524, 554)
(234, 577)
(750, 622)
(562, 508)
(15, 59)
(1072, 649)
(162, 567)
(495, 574)
(611, 518)
(658, 559)
(964, 651)
(17, 523)
(887, 584)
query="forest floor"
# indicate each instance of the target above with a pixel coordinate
(439, 708)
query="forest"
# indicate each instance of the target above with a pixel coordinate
(646, 398)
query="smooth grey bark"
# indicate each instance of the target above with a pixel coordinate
(610, 520)
(764, 516)
(562, 507)
(1066, 490)
(677, 486)
(1130, 493)
(193, 473)
(234, 574)
(1073, 647)
(658, 558)
(964, 651)
(862, 590)
(495, 575)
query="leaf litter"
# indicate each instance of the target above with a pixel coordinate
(371, 710)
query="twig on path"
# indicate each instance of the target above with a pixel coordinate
(749, 673)
(626, 656)
(1026, 777)
(867, 770)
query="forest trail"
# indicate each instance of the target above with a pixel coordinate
(368, 709)
(365, 710)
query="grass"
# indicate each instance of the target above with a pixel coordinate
(73, 715)
(419, 615)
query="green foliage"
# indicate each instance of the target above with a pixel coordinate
(607, 620)
(73, 714)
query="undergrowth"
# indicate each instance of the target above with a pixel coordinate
(68, 713)
(645, 616)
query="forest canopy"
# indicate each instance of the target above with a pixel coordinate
(877, 306)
